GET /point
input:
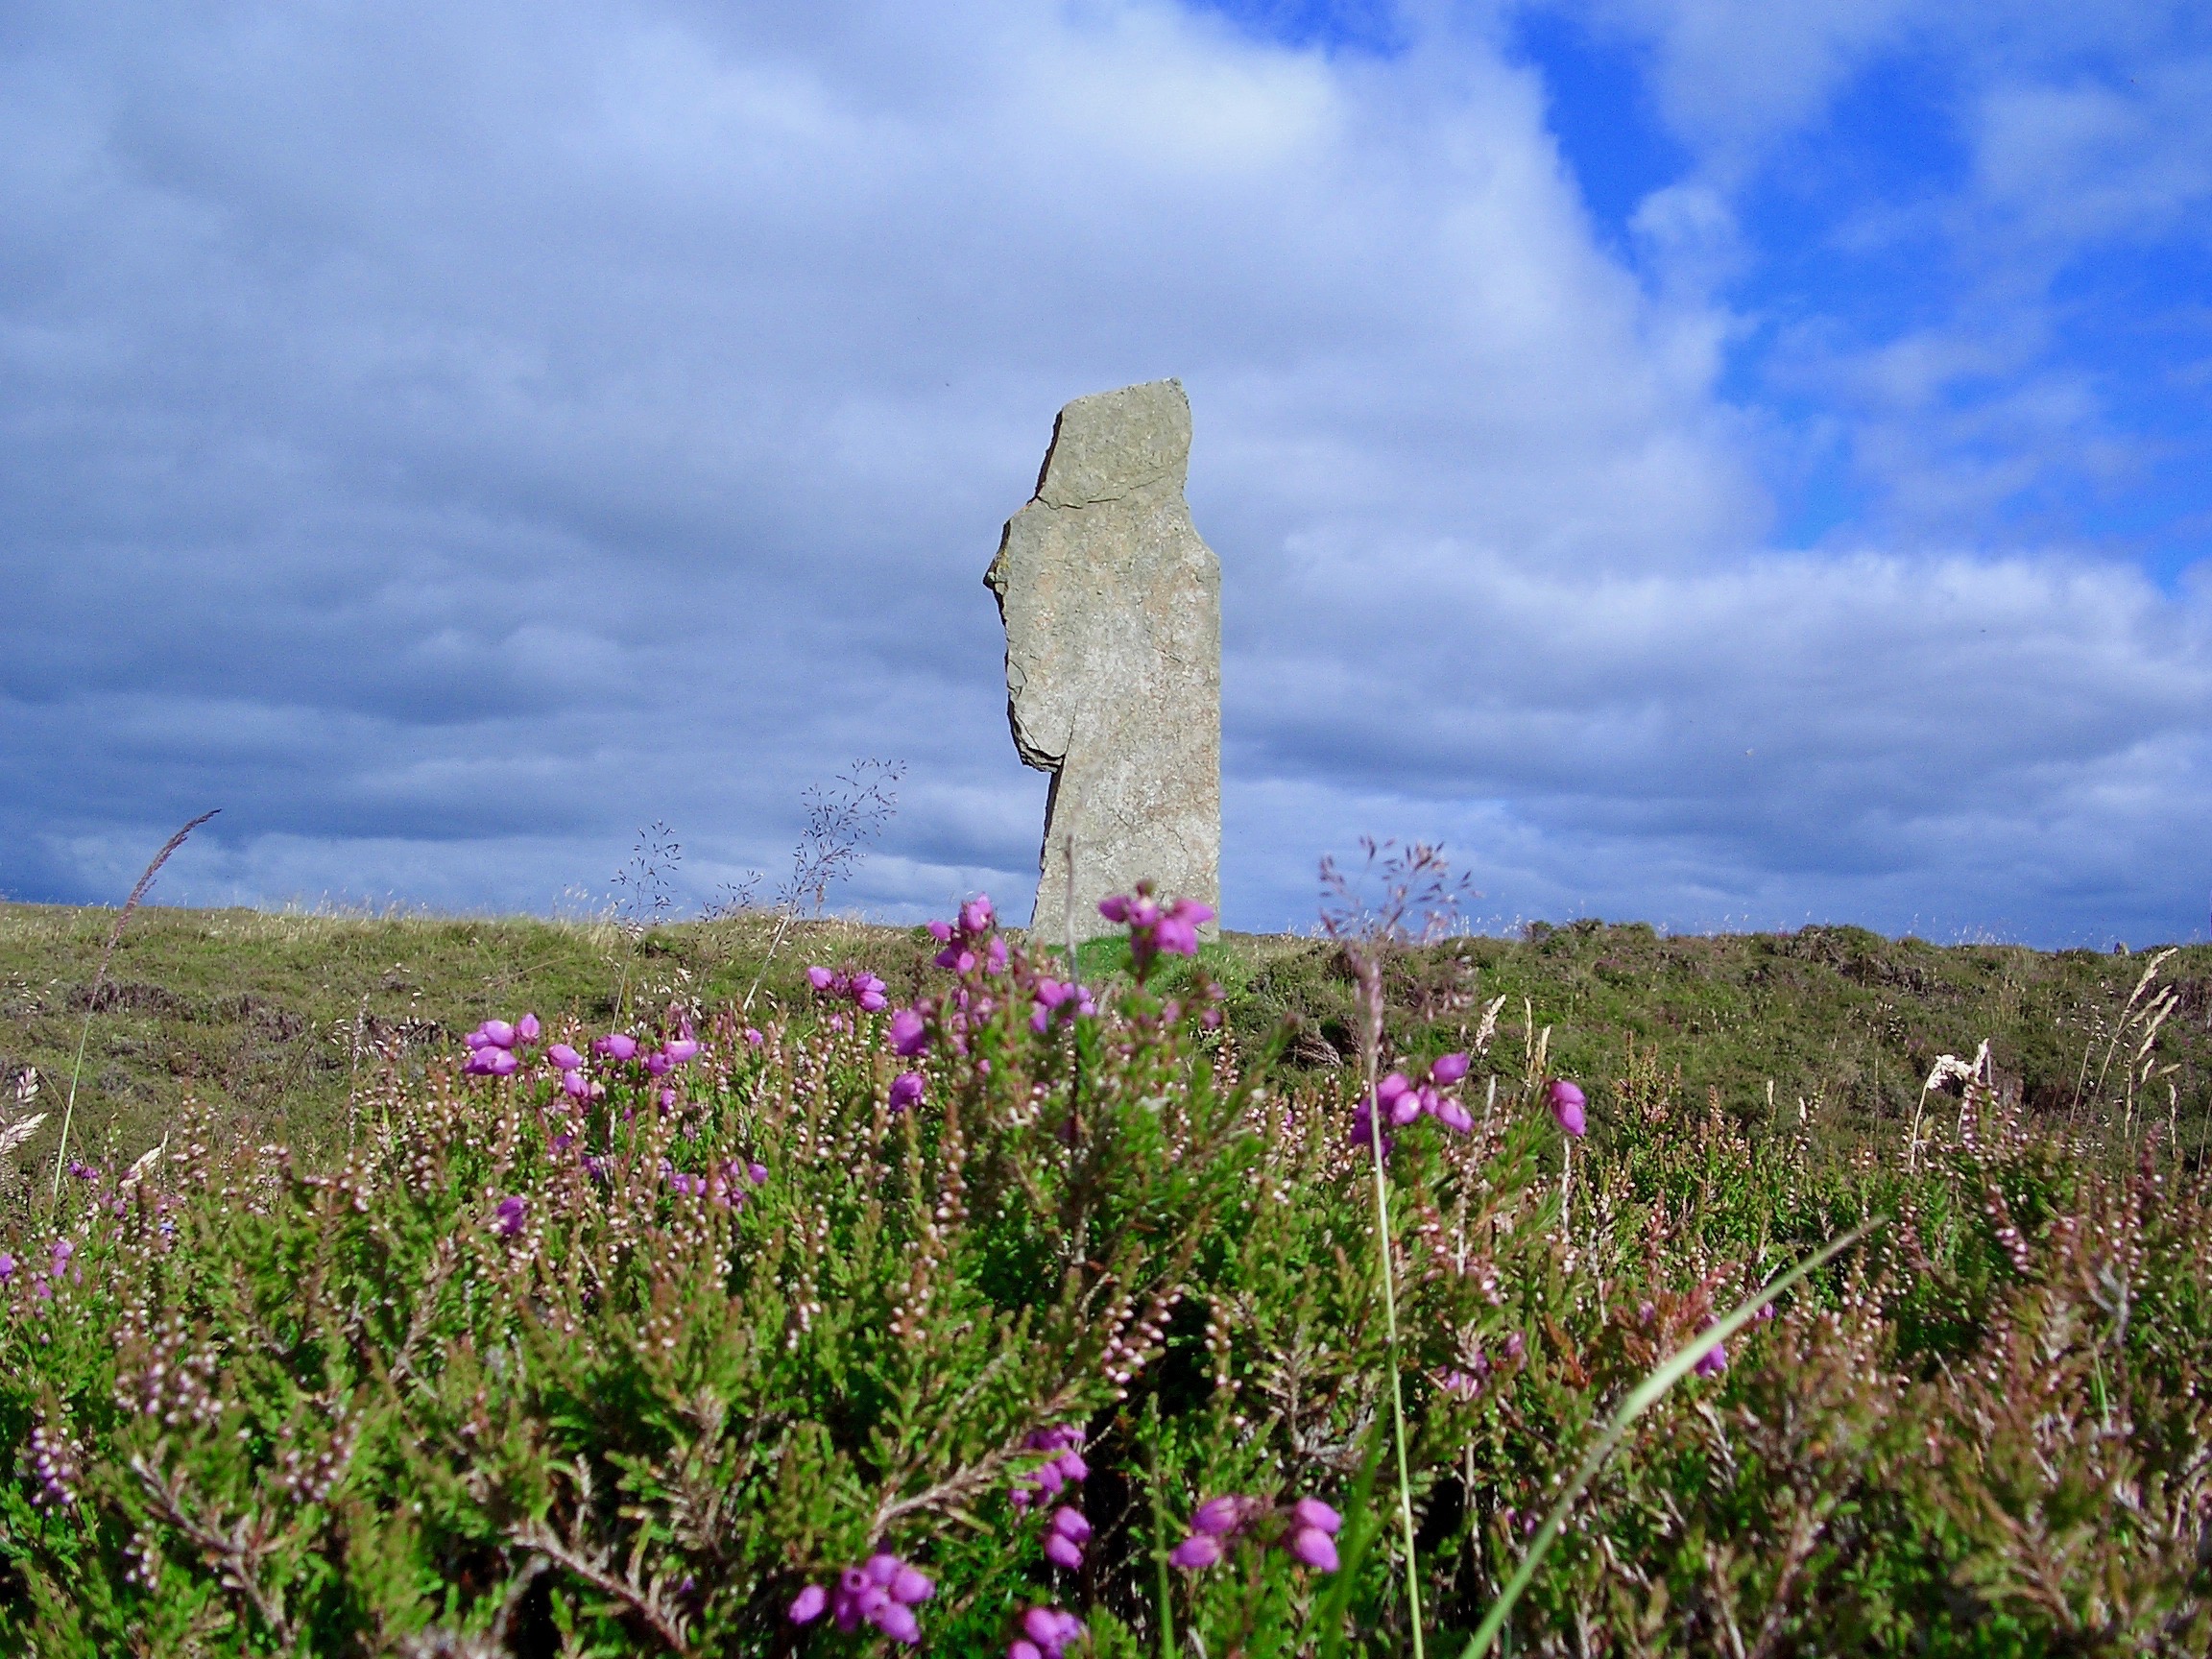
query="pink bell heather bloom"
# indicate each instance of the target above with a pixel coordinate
(1218, 1517)
(1199, 1550)
(1460, 1385)
(575, 1084)
(564, 1057)
(616, 1045)
(883, 1593)
(1046, 1634)
(1063, 1552)
(507, 1219)
(1715, 1361)
(6, 1266)
(492, 1063)
(909, 1034)
(498, 1033)
(821, 978)
(868, 993)
(1447, 1069)
(1313, 1546)
(1154, 927)
(527, 1028)
(752, 1038)
(477, 1039)
(1567, 1102)
(1454, 1117)
(1071, 1524)
(976, 917)
(756, 1173)
(657, 1063)
(905, 1090)
(683, 1050)
(1313, 1512)
(1055, 1001)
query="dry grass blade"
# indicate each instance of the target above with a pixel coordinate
(99, 978)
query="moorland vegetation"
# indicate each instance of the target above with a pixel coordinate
(435, 1286)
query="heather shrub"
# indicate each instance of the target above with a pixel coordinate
(1036, 1318)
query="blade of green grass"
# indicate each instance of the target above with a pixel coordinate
(1647, 1394)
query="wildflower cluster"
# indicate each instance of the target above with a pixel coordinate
(1402, 1101)
(883, 1590)
(1156, 928)
(1306, 1529)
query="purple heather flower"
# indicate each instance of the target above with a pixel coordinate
(1448, 1068)
(1063, 1552)
(683, 1050)
(1313, 1512)
(1200, 1549)
(905, 1090)
(1313, 1546)
(1715, 1361)
(616, 1045)
(1046, 1633)
(757, 1174)
(507, 1219)
(821, 978)
(909, 1034)
(941, 931)
(1567, 1102)
(1071, 1524)
(498, 1033)
(657, 1063)
(1460, 1385)
(476, 1039)
(1515, 1347)
(1455, 1116)
(1218, 1517)
(527, 1028)
(576, 1084)
(7, 1268)
(807, 1605)
(491, 1062)
(976, 915)
(564, 1057)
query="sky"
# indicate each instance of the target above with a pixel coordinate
(1705, 462)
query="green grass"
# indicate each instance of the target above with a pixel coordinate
(271, 1019)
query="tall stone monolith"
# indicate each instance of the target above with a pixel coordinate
(1113, 612)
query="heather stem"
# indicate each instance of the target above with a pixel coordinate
(1373, 988)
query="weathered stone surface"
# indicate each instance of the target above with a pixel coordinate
(1113, 612)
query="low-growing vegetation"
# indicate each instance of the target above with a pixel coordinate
(936, 1301)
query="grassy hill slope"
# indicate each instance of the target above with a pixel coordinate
(274, 1017)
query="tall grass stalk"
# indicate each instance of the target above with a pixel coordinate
(99, 978)
(1647, 1394)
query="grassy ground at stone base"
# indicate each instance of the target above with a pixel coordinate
(274, 1017)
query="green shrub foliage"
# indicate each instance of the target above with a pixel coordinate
(630, 1357)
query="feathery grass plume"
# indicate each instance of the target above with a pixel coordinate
(840, 823)
(99, 978)
(1693, 1355)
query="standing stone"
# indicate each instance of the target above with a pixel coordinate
(1113, 612)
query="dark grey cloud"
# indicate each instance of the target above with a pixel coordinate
(448, 438)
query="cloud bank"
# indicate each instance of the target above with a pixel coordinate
(449, 438)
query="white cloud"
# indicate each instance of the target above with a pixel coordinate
(451, 437)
